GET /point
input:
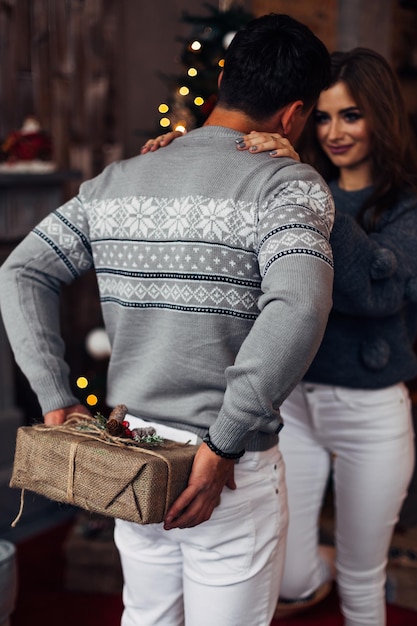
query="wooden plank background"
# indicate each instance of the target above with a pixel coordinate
(320, 17)
(65, 61)
(59, 62)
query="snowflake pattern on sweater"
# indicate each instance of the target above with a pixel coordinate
(190, 253)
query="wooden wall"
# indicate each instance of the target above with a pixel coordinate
(320, 16)
(388, 26)
(404, 53)
(88, 69)
(59, 61)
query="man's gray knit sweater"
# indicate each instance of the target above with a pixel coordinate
(215, 277)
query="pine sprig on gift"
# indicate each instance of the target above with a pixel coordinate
(101, 420)
(101, 423)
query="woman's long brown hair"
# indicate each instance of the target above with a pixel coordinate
(376, 90)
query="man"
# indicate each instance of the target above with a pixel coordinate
(215, 278)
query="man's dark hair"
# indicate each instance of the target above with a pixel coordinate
(272, 61)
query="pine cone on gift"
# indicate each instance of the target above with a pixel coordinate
(115, 428)
(118, 413)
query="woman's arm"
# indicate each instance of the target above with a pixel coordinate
(277, 145)
(374, 274)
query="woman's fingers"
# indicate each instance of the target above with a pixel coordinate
(273, 143)
(153, 144)
(259, 142)
(287, 152)
(159, 142)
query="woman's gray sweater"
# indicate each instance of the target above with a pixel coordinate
(370, 337)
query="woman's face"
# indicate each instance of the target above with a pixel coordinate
(342, 130)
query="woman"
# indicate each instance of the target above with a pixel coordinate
(352, 411)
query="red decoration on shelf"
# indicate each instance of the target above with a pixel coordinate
(27, 149)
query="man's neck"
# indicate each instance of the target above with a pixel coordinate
(236, 120)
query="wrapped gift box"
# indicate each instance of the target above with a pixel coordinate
(121, 480)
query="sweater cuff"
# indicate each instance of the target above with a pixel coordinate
(51, 396)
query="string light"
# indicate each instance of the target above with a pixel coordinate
(195, 94)
(82, 382)
(92, 399)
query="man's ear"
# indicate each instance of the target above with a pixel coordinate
(289, 114)
(219, 80)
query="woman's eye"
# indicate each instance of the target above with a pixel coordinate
(353, 116)
(320, 117)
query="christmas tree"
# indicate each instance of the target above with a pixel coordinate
(193, 94)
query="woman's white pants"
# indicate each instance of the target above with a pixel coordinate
(367, 437)
(224, 572)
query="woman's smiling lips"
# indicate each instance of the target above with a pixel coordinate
(339, 149)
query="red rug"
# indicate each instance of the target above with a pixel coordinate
(43, 600)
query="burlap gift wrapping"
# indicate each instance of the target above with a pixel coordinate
(100, 473)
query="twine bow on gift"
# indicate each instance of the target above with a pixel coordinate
(88, 427)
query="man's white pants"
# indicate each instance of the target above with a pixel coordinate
(367, 436)
(224, 572)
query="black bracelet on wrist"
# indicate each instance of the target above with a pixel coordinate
(216, 450)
